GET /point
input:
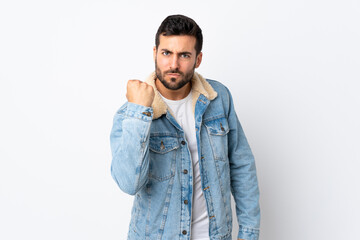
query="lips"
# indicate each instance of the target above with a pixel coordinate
(173, 74)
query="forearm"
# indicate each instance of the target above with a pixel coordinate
(129, 144)
(244, 184)
(245, 189)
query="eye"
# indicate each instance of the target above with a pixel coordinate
(184, 55)
(165, 53)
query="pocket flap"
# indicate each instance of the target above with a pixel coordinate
(218, 126)
(163, 144)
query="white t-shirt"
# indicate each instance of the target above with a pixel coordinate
(184, 115)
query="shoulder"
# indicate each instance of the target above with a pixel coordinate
(223, 101)
(216, 84)
(222, 91)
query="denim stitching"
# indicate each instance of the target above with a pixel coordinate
(166, 207)
(147, 228)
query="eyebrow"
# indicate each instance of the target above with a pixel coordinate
(166, 50)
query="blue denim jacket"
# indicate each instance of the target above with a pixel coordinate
(152, 161)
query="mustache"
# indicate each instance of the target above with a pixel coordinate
(174, 71)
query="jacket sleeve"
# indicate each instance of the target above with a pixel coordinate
(244, 184)
(129, 140)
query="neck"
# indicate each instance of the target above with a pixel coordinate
(173, 94)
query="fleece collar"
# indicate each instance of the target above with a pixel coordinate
(199, 86)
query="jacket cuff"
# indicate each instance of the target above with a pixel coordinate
(248, 233)
(139, 111)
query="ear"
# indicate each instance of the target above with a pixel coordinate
(154, 53)
(198, 60)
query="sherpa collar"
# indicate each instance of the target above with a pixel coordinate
(199, 86)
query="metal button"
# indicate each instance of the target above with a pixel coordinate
(186, 201)
(184, 232)
(183, 142)
(185, 171)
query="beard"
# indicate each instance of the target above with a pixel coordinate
(173, 85)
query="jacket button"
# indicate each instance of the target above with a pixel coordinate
(186, 201)
(184, 232)
(147, 114)
(185, 171)
(183, 142)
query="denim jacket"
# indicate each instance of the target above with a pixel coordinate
(152, 161)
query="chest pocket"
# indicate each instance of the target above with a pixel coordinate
(162, 157)
(218, 129)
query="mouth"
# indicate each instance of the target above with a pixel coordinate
(173, 74)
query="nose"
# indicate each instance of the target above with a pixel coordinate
(174, 63)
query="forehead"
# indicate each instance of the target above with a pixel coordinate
(177, 43)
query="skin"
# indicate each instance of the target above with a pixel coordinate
(175, 63)
(139, 92)
(175, 60)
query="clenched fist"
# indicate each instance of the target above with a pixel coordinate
(140, 93)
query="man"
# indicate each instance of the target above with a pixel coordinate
(178, 146)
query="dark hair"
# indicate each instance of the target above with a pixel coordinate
(180, 25)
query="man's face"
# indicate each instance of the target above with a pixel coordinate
(176, 60)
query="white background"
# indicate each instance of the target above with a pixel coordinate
(292, 67)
